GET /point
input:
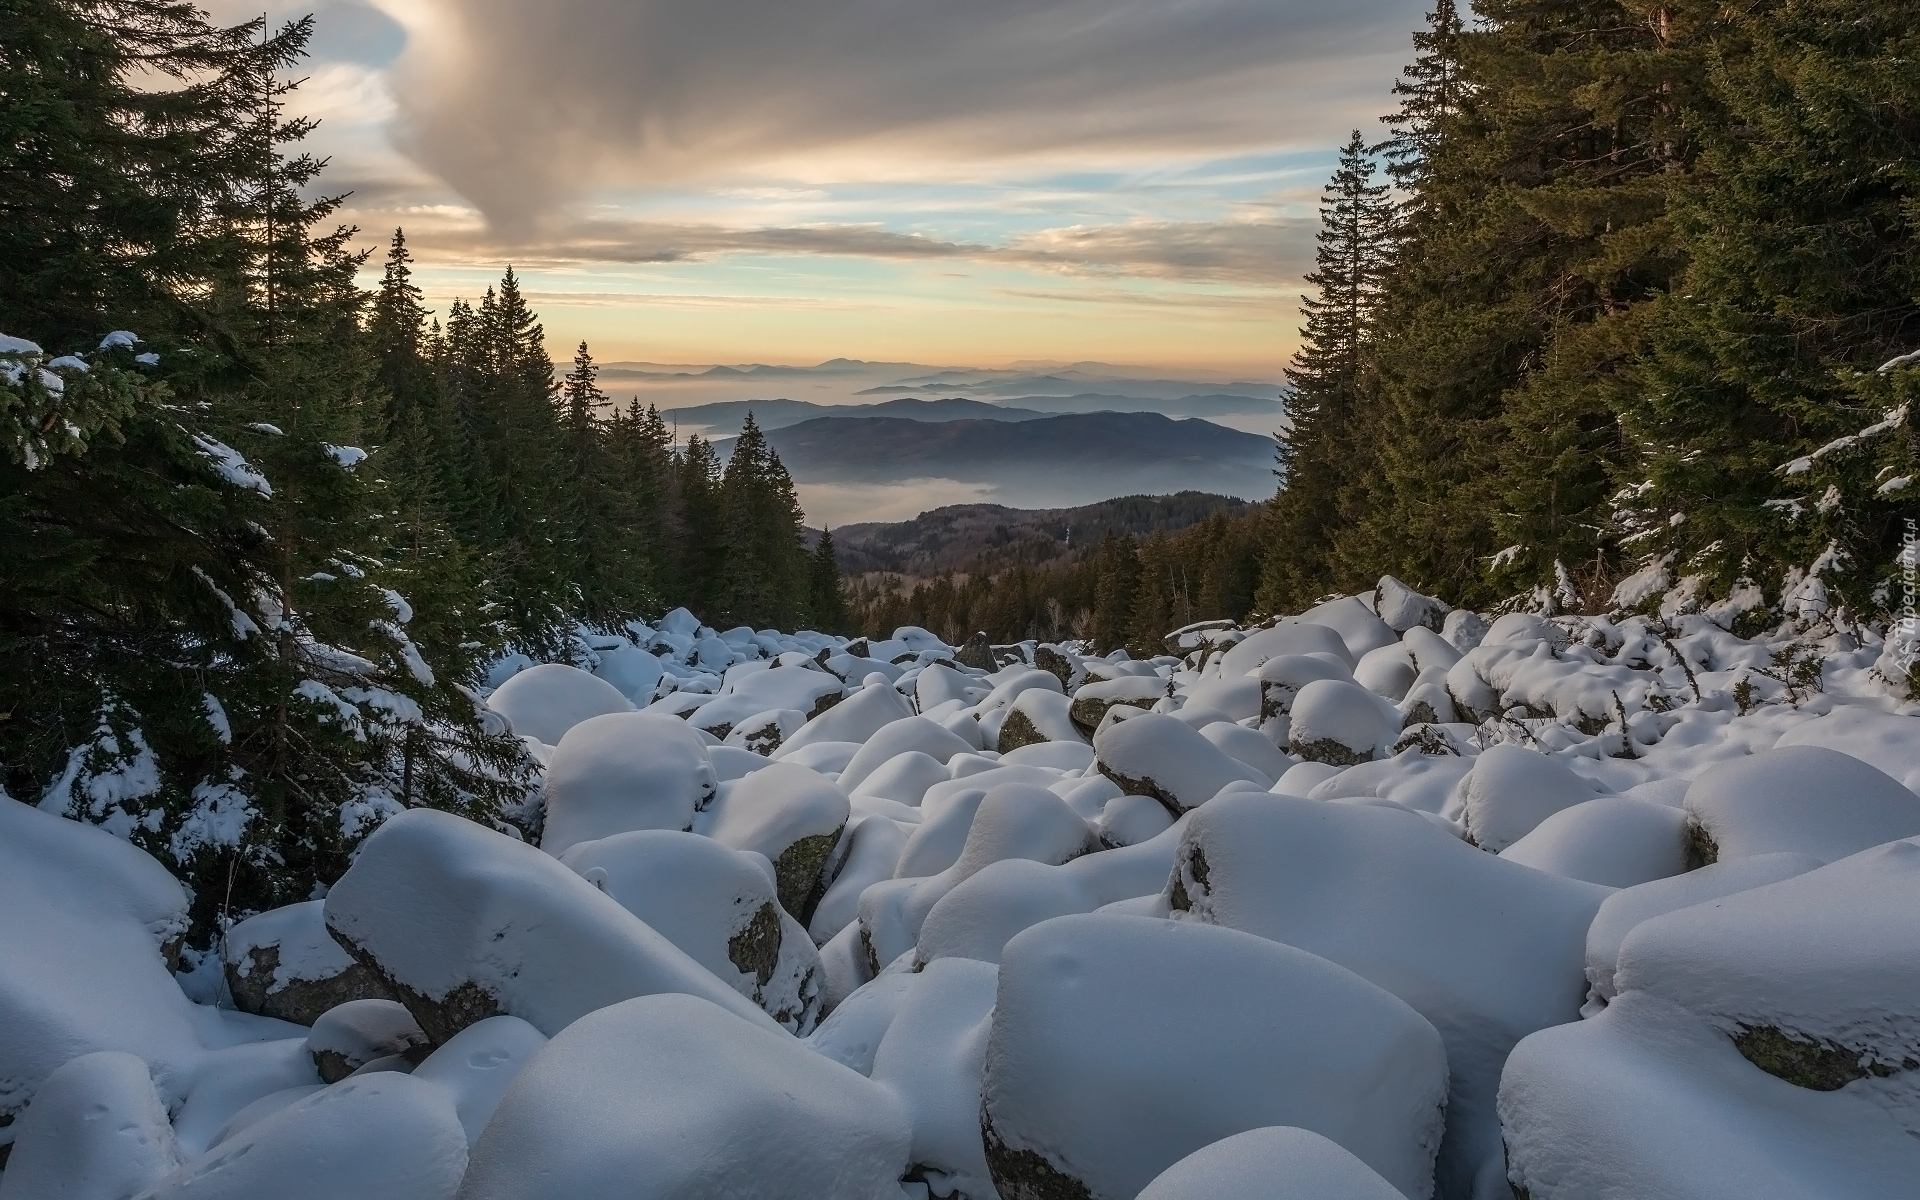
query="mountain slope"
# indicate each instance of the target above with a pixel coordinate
(727, 415)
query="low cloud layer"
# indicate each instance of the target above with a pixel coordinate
(521, 106)
(1258, 252)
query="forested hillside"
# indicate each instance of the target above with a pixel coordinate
(1121, 591)
(959, 537)
(1636, 300)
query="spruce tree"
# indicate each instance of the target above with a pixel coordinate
(701, 554)
(597, 506)
(1158, 606)
(1117, 574)
(120, 124)
(763, 577)
(525, 507)
(1324, 454)
(1430, 90)
(827, 595)
(397, 333)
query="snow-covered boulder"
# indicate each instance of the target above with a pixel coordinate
(476, 1065)
(793, 816)
(670, 1098)
(1014, 681)
(1064, 665)
(381, 1136)
(634, 673)
(464, 923)
(1092, 700)
(828, 758)
(852, 1034)
(1815, 978)
(935, 844)
(1464, 629)
(1649, 1100)
(89, 923)
(717, 904)
(1037, 716)
(1120, 1045)
(1625, 909)
(1236, 697)
(1282, 676)
(1285, 638)
(236, 1086)
(624, 771)
(351, 1035)
(283, 964)
(1156, 755)
(938, 683)
(97, 1130)
(1429, 651)
(873, 848)
(1879, 739)
(986, 910)
(1278, 1162)
(1804, 799)
(1356, 623)
(1387, 671)
(1615, 841)
(1510, 791)
(806, 690)
(1130, 820)
(763, 733)
(1404, 609)
(544, 702)
(1011, 820)
(904, 778)
(1342, 723)
(899, 737)
(931, 1058)
(1423, 782)
(855, 719)
(1248, 747)
(1486, 950)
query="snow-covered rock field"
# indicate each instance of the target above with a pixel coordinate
(1385, 899)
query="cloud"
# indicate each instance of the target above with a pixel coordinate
(522, 106)
(1263, 252)
(608, 240)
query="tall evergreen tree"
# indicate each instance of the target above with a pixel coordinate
(764, 576)
(1158, 602)
(1117, 574)
(397, 334)
(702, 551)
(1430, 90)
(121, 124)
(1323, 454)
(523, 455)
(826, 590)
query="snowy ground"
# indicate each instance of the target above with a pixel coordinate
(1382, 900)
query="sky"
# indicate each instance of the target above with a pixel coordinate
(949, 182)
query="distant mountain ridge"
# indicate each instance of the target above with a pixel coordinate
(777, 414)
(728, 415)
(1041, 462)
